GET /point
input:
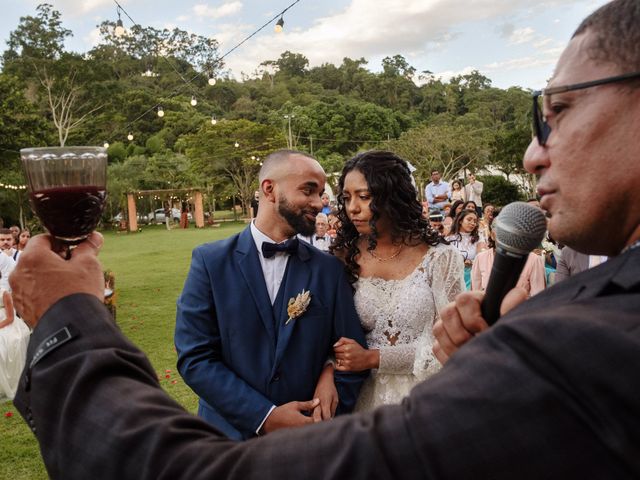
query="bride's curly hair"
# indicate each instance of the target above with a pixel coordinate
(393, 196)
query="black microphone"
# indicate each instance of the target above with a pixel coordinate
(519, 228)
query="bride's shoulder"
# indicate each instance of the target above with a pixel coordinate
(441, 251)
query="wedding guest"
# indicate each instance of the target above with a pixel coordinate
(531, 280)
(455, 209)
(436, 192)
(321, 240)
(403, 273)
(14, 339)
(15, 231)
(471, 205)
(23, 238)
(446, 209)
(435, 221)
(326, 203)
(334, 223)
(473, 192)
(466, 238)
(184, 215)
(457, 191)
(486, 221)
(7, 242)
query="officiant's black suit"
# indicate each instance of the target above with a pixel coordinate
(551, 391)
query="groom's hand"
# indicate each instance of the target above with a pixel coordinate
(290, 415)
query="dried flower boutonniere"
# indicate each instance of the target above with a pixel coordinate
(298, 305)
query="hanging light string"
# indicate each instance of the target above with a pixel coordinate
(179, 90)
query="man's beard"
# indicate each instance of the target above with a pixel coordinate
(296, 218)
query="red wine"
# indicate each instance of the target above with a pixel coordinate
(69, 213)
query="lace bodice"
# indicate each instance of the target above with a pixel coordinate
(398, 315)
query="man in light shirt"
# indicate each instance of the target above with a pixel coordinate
(437, 192)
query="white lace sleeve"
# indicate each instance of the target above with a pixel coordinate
(446, 275)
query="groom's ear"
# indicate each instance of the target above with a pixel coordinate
(268, 190)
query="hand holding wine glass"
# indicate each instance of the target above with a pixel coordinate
(67, 189)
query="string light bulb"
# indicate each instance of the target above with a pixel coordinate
(236, 144)
(119, 31)
(106, 145)
(130, 136)
(213, 120)
(160, 111)
(279, 25)
(212, 79)
(194, 102)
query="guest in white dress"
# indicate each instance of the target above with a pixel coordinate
(466, 237)
(403, 274)
(14, 338)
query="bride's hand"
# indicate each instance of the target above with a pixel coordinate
(327, 393)
(352, 357)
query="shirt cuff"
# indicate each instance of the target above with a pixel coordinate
(264, 420)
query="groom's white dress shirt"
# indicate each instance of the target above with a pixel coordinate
(272, 268)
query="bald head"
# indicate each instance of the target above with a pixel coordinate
(278, 163)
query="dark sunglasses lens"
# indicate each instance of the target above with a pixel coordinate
(541, 127)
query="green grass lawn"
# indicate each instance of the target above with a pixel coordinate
(150, 268)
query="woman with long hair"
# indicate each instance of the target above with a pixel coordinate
(455, 209)
(466, 238)
(402, 271)
(457, 191)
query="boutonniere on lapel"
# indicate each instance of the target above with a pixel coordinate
(298, 305)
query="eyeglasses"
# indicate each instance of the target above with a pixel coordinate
(540, 125)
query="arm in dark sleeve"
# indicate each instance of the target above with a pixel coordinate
(507, 405)
(347, 324)
(200, 355)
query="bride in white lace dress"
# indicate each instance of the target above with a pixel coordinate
(403, 274)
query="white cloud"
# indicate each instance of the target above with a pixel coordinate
(520, 63)
(542, 42)
(76, 9)
(183, 18)
(93, 38)
(521, 35)
(448, 74)
(224, 10)
(393, 26)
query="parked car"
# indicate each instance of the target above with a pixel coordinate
(160, 217)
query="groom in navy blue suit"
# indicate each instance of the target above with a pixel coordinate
(256, 364)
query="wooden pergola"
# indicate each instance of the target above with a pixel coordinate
(198, 213)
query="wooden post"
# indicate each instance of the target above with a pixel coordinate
(131, 209)
(199, 211)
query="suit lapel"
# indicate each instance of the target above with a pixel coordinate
(297, 279)
(249, 264)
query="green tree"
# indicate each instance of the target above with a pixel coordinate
(498, 190)
(214, 153)
(447, 148)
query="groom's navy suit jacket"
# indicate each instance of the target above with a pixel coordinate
(234, 349)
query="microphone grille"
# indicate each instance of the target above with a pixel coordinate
(520, 228)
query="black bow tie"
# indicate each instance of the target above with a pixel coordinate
(270, 249)
(320, 238)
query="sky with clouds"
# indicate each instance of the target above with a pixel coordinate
(513, 42)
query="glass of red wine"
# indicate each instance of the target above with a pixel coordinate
(67, 189)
